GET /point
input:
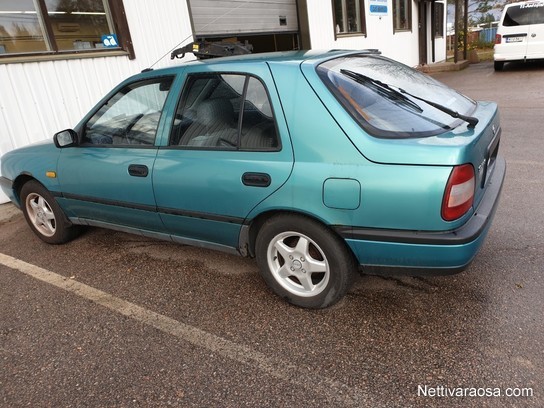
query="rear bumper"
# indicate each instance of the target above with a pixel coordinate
(510, 57)
(503, 55)
(427, 253)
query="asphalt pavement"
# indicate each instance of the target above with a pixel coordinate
(115, 320)
(8, 211)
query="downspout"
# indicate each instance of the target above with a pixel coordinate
(456, 31)
(303, 25)
(466, 30)
(433, 31)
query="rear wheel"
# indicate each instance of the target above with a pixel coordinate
(44, 216)
(498, 65)
(303, 261)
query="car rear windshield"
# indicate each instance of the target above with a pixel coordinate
(371, 88)
(524, 14)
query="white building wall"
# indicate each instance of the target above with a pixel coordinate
(37, 99)
(401, 46)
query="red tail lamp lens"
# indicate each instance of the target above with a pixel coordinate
(459, 194)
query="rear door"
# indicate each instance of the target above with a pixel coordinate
(229, 149)
(535, 43)
(514, 30)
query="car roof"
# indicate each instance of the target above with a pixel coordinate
(296, 57)
(283, 56)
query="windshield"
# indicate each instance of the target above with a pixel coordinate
(387, 114)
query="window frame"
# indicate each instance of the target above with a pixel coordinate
(362, 21)
(117, 15)
(181, 104)
(408, 16)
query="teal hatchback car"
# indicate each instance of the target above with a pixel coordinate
(315, 164)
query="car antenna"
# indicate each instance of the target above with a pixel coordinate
(189, 36)
(169, 52)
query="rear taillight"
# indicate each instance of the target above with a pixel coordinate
(459, 193)
(498, 38)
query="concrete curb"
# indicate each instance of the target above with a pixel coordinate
(444, 67)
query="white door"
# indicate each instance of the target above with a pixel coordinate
(535, 36)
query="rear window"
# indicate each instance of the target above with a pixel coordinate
(524, 14)
(388, 113)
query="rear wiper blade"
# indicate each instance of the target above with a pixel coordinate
(471, 120)
(383, 89)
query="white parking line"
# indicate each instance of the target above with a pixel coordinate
(335, 390)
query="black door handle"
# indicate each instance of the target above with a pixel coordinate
(256, 179)
(138, 170)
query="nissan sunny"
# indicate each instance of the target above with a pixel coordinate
(317, 164)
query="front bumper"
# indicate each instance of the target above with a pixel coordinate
(388, 252)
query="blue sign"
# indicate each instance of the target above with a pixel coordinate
(378, 7)
(110, 41)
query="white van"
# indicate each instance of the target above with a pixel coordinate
(520, 35)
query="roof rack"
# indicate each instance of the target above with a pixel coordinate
(363, 51)
(203, 49)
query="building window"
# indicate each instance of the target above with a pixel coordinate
(349, 17)
(402, 15)
(34, 27)
(438, 20)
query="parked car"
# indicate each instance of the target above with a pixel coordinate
(520, 34)
(315, 164)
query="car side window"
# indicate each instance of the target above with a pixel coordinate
(224, 111)
(258, 126)
(131, 116)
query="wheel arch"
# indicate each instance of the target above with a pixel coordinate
(19, 182)
(250, 230)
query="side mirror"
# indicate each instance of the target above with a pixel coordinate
(65, 138)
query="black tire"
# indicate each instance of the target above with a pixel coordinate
(498, 65)
(44, 215)
(303, 262)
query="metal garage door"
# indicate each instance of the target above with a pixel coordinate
(233, 17)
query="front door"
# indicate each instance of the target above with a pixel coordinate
(108, 177)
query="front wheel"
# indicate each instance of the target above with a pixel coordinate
(498, 65)
(44, 215)
(303, 261)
